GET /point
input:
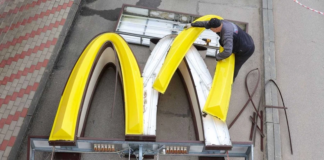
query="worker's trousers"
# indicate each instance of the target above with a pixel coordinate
(241, 57)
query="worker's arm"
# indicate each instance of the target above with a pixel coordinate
(201, 24)
(227, 40)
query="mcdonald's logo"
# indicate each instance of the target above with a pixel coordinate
(141, 90)
(107, 48)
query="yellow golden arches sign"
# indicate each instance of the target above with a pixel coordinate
(109, 47)
(218, 99)
(100, 51)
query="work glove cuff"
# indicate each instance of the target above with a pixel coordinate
(187, 26)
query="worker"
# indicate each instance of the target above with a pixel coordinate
(232, 38)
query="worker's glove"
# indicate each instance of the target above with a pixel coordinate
(217, 58)
(187, 26)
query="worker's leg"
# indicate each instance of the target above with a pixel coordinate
(240, 59)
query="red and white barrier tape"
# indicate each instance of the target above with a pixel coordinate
(309, 8)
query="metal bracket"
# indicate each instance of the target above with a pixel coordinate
(278, 107)
(256, 115)
(141, 148)
(284, 108)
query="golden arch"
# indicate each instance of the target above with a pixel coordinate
(103, 49)
(218, 99)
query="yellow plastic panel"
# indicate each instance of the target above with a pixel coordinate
(65, 122)
(220, 94)
(178, 50)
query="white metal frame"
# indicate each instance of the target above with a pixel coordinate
(198, 81)
(135, 24)
(138, 149)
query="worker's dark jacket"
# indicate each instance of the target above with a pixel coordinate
(232, 38)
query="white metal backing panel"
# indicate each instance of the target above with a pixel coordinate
(142, 25)
(215, 131)
(151, 96)
(132, 24)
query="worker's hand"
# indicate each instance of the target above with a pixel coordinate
(187, 26)
(217, 58)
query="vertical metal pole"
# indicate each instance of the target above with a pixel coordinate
(261, 130)
(129, 152)
(247, 153)
(254, 114)
(31, 151)
(53, 153)
(251, 153)
(140, 154)
(32, 154)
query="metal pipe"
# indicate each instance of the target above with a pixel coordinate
(254, 114)
(129, 153)
(140, 154)
(52, 153)
(278, 107)
(284, 107)
(250, 97)
(256, 120)
(171, 22)
(259, 129)
(146, 25)
(145, 32)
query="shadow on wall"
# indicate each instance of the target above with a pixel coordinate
(113, 14)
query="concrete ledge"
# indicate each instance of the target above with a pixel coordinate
(273, 140)
(48, 70)
(270, 142)
(277, 140)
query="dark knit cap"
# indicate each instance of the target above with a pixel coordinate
(214, 23)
